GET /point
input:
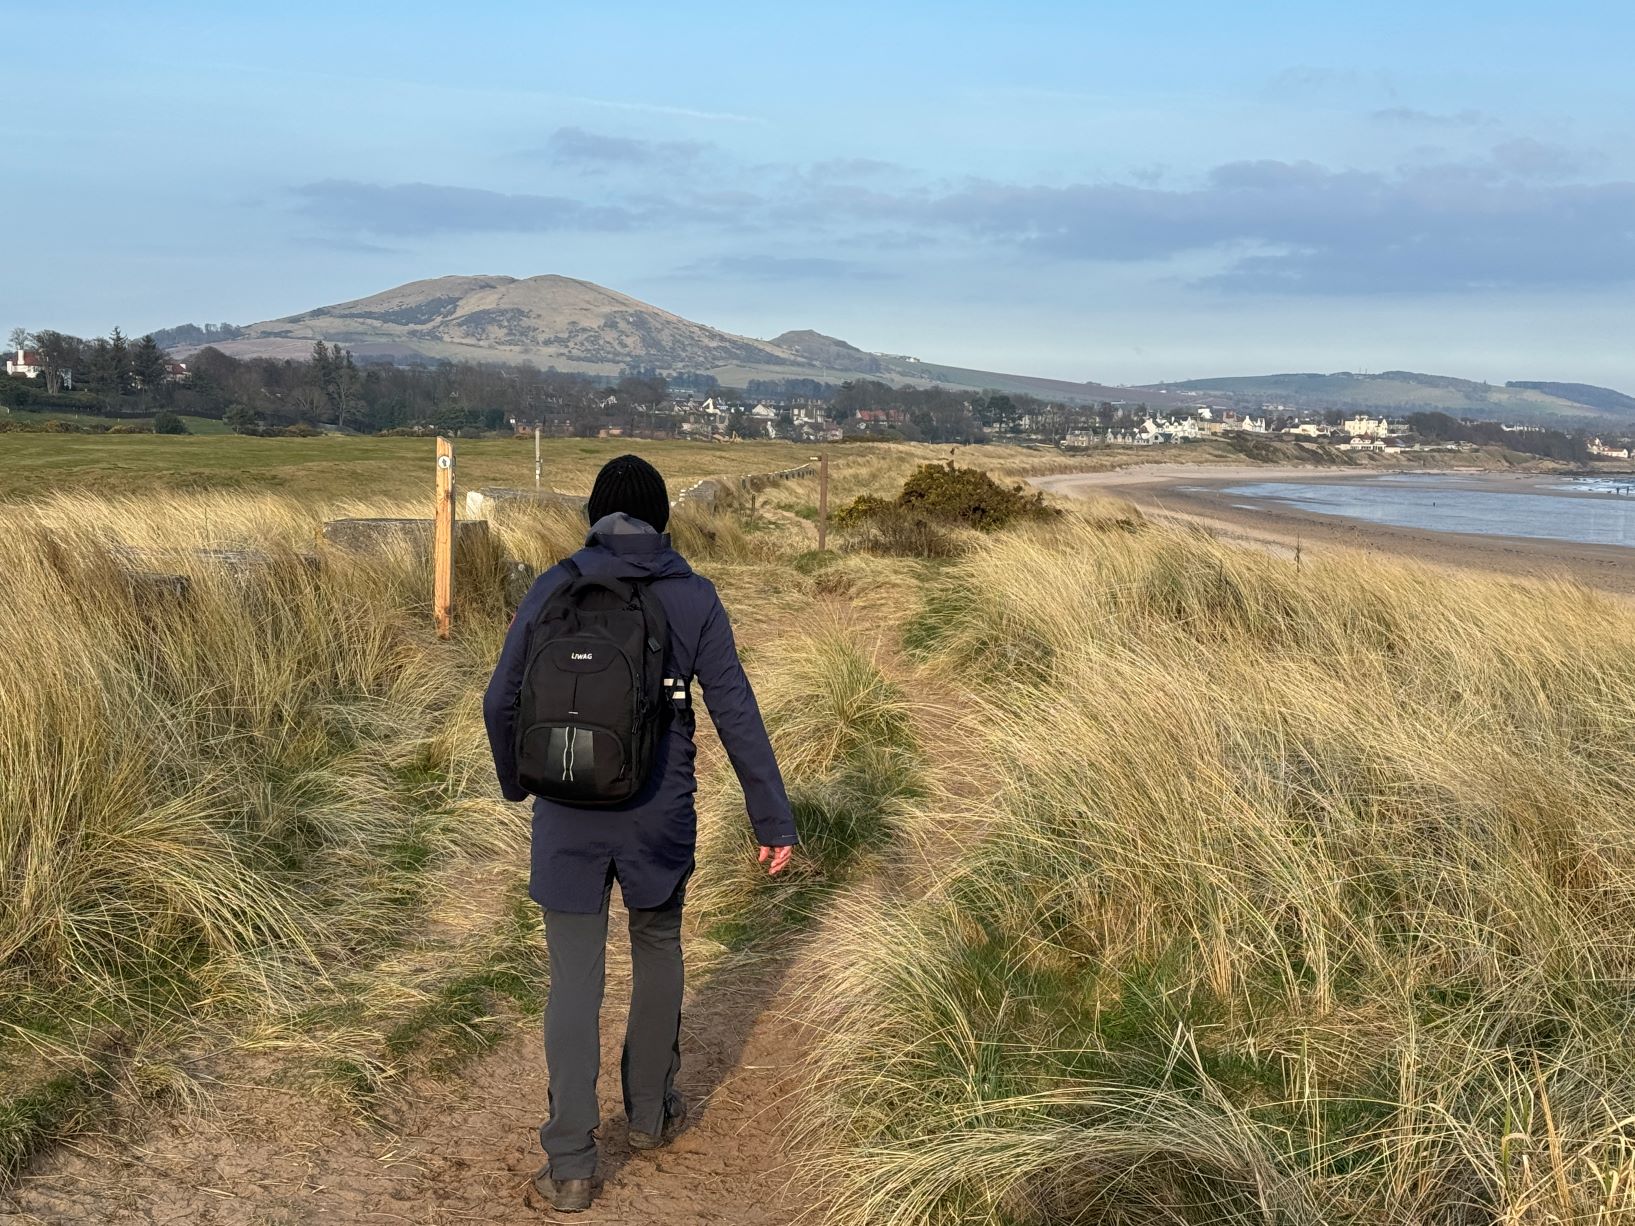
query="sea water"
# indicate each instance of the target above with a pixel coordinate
(1589, 510)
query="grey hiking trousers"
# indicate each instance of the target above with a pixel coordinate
(577, 945)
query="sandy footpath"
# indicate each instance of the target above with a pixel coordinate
(1195, 494)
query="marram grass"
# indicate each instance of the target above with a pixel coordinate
(211, 802)
(1304, 895)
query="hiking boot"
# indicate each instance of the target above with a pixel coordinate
(563, 1195)
(675, 1119)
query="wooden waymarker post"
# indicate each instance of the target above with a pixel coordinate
(442, 600)
(823, 501)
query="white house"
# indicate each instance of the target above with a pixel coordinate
(1597, 447)
(26, 363)
(1167, 430)
(1367, 427)
(763, 412)
(30, 365)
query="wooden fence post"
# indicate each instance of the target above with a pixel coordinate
(443, 541)
(823, 501)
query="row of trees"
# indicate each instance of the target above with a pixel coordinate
(108, 369)
(113, 374)
(333, 388)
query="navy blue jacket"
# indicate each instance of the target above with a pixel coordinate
(648, 843)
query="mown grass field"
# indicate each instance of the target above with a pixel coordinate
(1149, 879)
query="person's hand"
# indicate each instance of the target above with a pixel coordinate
(779, 857)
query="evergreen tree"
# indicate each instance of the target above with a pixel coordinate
(150, 366)
(119, 362)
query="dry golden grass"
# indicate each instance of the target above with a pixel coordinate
(210, 801)
(1302, 896)
(841, 730)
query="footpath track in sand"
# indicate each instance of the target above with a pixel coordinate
(464, 1150)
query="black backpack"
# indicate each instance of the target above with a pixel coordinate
(593, 701)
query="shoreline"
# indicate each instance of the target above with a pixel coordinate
(1188, 494)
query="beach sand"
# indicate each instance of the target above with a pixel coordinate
(1195, 494)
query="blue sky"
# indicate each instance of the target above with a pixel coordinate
(1116, 192)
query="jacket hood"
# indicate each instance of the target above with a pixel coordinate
(628, 548)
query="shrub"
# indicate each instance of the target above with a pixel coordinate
(968, 496)
(168, 423)
(948, 494)
(50, 426)
(934, 498)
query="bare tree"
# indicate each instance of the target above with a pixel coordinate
(21, 338)
(58, 353)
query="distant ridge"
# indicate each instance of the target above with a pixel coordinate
(1407, 391)
(829, 351)
(576, 325)
(1603, 398)
(581, 326)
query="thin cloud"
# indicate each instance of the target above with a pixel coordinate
(420, 209)
(573, 146)
(779, 268)
(1412, 117)
(651, 108)
(1535, 159)
(854, 168)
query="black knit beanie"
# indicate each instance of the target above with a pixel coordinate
(630, 484)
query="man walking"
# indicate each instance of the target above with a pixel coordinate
(597, 818)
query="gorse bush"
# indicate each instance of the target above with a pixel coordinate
(1300, 896)
(934, 498)
(968, 496)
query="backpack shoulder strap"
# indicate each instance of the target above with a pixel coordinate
(572, 567)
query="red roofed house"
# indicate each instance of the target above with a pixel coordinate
(26, 364)
(30, 365)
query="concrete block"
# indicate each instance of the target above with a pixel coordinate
(483, 503)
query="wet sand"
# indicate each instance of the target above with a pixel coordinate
(1195, 494)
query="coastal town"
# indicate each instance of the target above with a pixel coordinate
(116, 385)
